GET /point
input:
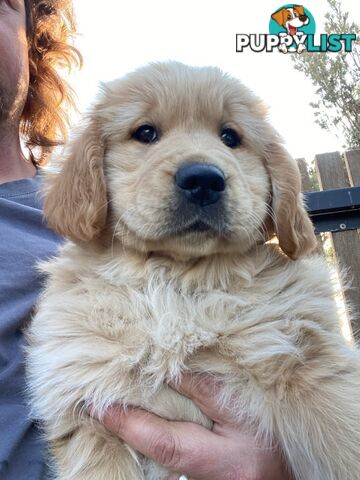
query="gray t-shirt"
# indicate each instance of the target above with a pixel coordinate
(24, 240)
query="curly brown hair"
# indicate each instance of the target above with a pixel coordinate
(50, 27)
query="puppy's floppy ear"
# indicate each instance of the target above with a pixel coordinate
(279, 16)
(299, 9)
(293, 227)
(75, 203)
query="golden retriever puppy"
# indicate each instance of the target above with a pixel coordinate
(169, 195)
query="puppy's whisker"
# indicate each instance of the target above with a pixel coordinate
(246, 232)
(113, 237)
(261, 228)
(272, 215)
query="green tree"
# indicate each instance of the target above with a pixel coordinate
(336, 77)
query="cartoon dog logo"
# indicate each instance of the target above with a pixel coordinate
(291, 19)
(292, 30)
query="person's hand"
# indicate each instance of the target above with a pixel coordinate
(228, 452)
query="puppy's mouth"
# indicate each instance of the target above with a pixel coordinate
(197, 226)
(211, 223)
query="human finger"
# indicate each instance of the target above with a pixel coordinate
(180, 446)
(205, 391)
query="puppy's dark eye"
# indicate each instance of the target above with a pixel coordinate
(230, 138)
(146, 134)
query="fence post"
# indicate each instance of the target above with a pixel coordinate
(306, 185)
(332, 174)
(352, 162)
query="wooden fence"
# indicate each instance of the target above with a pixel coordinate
(333, 170)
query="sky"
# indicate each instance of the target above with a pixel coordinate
(116, 37)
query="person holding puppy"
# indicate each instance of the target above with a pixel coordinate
(34, 40)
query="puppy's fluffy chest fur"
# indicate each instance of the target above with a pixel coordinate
(142, 325)
(116, 328)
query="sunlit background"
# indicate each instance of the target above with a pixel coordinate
(116, 37)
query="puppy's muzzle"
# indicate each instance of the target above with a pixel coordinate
(200, 183)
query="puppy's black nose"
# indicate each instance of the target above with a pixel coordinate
(201, 183)
(303, 18)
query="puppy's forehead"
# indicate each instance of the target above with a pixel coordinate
(173, 93)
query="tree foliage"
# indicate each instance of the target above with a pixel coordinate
(336, 77)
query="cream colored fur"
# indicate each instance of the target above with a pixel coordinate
(131, 303)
